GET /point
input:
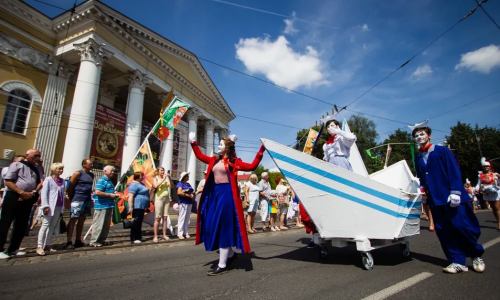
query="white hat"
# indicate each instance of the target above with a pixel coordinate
(419, 125)
(484, 163)
(205, 172)
(467, 180)
(183, 174)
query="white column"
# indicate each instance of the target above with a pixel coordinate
(81, 120)
(167, 149)
(209, 136)
(135, 105)
(221, 133)
(53, 106)
(192, 115)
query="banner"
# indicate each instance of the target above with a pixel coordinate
(169, 119)
(143, 162)
(311, 139)
(154, 143)
(108, 137)
(387, 156)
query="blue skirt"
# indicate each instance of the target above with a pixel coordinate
(219, 221)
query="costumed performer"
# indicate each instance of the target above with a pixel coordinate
(336, 151)
(456, 224)
(472, 193)
(487, 184)
(220, 223)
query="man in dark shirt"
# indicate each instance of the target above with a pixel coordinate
(24, 181)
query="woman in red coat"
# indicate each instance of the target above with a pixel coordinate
(220, 224)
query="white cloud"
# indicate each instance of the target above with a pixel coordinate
(421, 72)
(482, 60)
(274, 170)
(365, 28)
(280, 63)
(289, 29)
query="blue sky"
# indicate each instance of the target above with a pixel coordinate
(334, 51)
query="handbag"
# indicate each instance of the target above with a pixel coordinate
(152, 194)
(62, 226)
(245, 204)
(128, 223)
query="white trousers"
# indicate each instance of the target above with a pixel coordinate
(184, 216)
(224, 254)
(48, 225)
(264, 210)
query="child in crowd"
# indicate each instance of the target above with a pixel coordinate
(273, 211)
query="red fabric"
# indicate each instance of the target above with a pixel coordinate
(487, 178)
(306, 220)
(425, 149)
(239, 165)
(331, 139)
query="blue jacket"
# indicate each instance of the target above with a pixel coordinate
(441, 176)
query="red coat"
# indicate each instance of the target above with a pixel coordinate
(239, 165)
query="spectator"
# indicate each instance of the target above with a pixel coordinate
(52, 206)
(4, 172)
(162, 183)
(104, 196)
(295, 205)
(37, 203)
(273, 211)
(24, 182)
(138, 201)
(282, 192)
(265, 196)
(487, 184)
(80, 195)
(199, 190)
(253, 199)
(186, 195)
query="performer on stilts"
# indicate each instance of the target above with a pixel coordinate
(487, 184)
(220, 223)
(336, 151)
(456, 224)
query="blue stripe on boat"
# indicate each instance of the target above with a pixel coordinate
(332, 191)
(357, 186)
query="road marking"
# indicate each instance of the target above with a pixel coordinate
(398, 287)
(491, 243)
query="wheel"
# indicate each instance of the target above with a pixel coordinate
(367, 260)
(405, 249)
(323, 253)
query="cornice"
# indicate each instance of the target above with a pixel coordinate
(29, 15)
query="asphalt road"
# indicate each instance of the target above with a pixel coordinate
(280, 267)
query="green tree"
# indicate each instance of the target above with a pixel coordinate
(272, 177)
(400, 152)
(464, 144)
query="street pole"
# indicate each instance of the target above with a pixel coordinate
(478, 145)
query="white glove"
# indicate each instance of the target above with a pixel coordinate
(454, 200)
(332, 130)
(192, 137)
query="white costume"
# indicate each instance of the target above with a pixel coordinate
(488, 184)
(338, 147)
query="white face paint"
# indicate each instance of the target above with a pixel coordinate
(331, 127)
(421, 137)
(221, 148)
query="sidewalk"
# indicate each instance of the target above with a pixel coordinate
(119, 237)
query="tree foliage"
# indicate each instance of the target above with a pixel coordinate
(463, 143)
(400, 152)
(259, 170)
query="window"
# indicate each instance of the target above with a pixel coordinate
(16, 113)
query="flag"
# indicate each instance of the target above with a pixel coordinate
(311, 138)
(169, 119)
(370, 154)
(389, 150)
(143, 162)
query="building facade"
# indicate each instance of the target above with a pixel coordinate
(63, 78)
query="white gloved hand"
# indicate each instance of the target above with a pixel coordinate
(332, 130)
(454, 200)
(192, 137)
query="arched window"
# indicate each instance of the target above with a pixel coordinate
(17, 111)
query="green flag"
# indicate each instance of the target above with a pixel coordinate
(172, 115)
(370, 154)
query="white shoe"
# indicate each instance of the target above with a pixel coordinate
(455, 268)
(276, 228)
(478, 265)
(272, 229)
(4, 255)
(17, 253)
(137, 242)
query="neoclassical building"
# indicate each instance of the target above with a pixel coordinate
(63, 78)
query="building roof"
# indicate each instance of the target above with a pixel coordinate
(243, 177)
